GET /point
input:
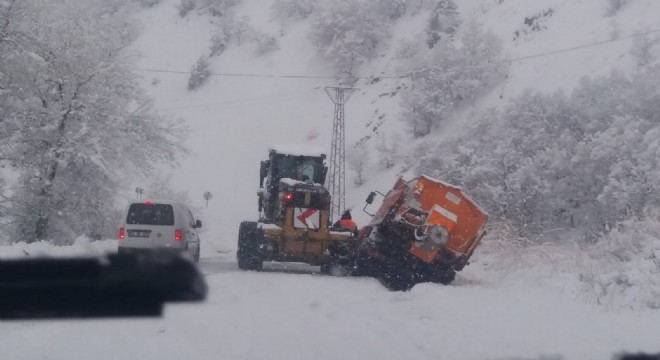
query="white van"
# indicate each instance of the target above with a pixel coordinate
(162, 224)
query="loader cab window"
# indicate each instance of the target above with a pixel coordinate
(299, 168)
(308, 170)
(286, 167)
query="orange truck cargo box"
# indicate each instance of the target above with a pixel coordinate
(450, 209)
(424, 227)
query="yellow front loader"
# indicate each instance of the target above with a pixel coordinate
(294, 216)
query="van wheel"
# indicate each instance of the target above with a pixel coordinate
(250, 239)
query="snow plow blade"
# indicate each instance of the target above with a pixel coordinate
(424, 231)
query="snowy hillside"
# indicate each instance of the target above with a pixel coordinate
(234, 118)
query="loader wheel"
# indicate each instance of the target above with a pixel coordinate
(250, 239)
(334, 269)
(325, 269)
(341, 261)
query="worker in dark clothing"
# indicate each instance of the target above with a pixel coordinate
(346, 223)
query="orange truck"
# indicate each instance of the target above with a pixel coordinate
(424, 231)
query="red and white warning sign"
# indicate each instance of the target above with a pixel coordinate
(306, 218)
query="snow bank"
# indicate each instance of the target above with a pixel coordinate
(623, 269)
(82, 246)
(620, 271)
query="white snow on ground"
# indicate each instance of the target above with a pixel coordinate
(81, 247)
(494, 310)
(292, 312)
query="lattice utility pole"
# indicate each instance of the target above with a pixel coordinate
(337, 166)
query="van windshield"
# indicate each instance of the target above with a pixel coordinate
(150, 214)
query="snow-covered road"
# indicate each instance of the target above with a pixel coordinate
(293, 312)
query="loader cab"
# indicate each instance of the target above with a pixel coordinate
(279, 166)
(294, 213)
(297, 167)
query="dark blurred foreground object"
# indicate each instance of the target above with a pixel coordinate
(133, 284)
(639, 357)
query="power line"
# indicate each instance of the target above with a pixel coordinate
(239, 101)
(273, 76)
(583, 46)
(517, 59)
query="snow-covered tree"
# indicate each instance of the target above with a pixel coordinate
(220, 7)
(75, 120)
(199, 73)
(3, 198)
(148, 3)
(389, 148)
(238, 30)
(286, 11)
(348, 32)
(392, 9)
(186, 6)
(414, 7)
(358, 161)
(614, 7)
(622, 268)
(219, 43)
(160, 187)
(220, 39)
(583, 161)
(264, 43)
(447, 76)
(312, 135)
(231, 30)
(443, 21)
(645, 49)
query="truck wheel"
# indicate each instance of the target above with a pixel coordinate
(397, 280)
(444, 275)
(395, 283)
(364, 264)
(250, 240)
